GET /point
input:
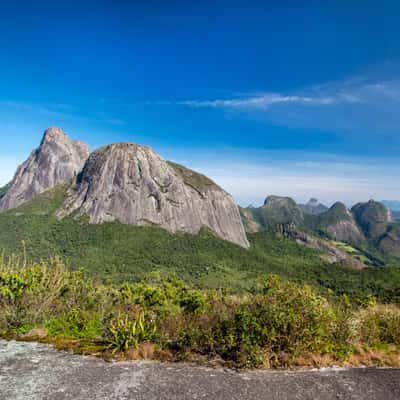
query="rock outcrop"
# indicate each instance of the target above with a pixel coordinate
(339, 224)
(275, 210)
(373, 218)
(57, 160)
(389, 243)
(313, 207)
(132, 184)
(331, 254)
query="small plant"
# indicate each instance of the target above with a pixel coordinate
(129, 333)
(75, 324)
(12, 286)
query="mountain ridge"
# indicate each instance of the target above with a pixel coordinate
(56, 160)
(128, 183)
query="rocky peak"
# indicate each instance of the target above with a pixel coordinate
(340, 209)
(313, 202)
(313, 207)
(53, 134)
(276, 210)
(56, 161)
(132, 184)
(339, 224)
(279, 201)
(373, 218)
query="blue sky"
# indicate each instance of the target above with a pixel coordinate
(265, 97)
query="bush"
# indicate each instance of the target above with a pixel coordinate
(127, 332)
(379, 325)
(74, 325)
(278, 321)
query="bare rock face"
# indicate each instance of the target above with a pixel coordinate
(133, 185)
(57, 160)
(332, 254)
(373, 218)
(345, 231)
(339, 223)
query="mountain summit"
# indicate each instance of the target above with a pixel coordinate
(55, 162)
(132, 184)
(313, 206)
(126, 183)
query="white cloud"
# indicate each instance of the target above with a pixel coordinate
(347, 92)
(360, 105)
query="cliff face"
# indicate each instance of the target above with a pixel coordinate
(57, 160)
(332, 254)
(340, 225)
(133, 185)
(276, 210)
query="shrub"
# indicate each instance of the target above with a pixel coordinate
(379, 324)
(74, 325)
(127, 332)
(285, 318)
(278, 321)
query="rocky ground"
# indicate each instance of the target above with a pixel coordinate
(30, 371)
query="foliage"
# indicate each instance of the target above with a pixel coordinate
(74, 325)
(379, 324)
(165, 295)
(115, 253)
(127, 333)
(192, 178)
(277, 319)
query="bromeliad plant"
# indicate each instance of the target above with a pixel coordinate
(127, 333)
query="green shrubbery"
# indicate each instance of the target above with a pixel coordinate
(379, 324)
(115, 253)
(277, 321)
(129, 331)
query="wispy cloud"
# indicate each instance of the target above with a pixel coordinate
(360, 104)
(348, 92)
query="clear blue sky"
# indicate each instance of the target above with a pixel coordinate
(298, 98)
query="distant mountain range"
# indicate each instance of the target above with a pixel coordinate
(313, 206)
(367, 225)
(393, 205)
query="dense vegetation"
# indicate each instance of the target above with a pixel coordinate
(279, 324)
(115, 253)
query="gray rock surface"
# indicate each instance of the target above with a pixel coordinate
(373, 218)
(331, 254)
(132, 184)
(55, 162)
(345, 231)
(313, 207)
(31, 371)
(340, 224)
